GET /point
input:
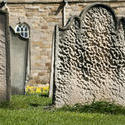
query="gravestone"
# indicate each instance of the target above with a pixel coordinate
(4, 57)
(19, 58)
(89, 58)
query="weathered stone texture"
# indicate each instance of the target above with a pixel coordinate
(90, 58)
(42, 19)
(4, 58)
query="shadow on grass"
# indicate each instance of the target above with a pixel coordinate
(26, 101)
(34, 104)
(44, 95)
(96, 107)
(43, 102)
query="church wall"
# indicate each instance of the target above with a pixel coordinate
(42, 16)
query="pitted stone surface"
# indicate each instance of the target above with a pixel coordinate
(90, 58)
(4, 58)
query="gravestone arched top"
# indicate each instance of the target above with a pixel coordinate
(99, 6)
(85, 11)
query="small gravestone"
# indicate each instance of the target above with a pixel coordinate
(89, 58)
(19, 41)
(4, 57)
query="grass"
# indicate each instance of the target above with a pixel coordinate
(29, 110)
(96, 107)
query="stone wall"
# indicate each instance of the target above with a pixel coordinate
(41, 19)
(42, 16)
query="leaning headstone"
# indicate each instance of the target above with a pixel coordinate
(89, 58)
(4, 57)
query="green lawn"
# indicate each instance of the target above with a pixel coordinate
(30, 110)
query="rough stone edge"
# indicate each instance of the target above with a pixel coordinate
(8, 74)
(70, 22)
(68, 25)
(52, 65)
(52, 85)
(52, 79)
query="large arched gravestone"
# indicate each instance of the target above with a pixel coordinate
(4, 57)
(89, 58)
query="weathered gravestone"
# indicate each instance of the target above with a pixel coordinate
(19, 41)
(89, 58)
(4, 57)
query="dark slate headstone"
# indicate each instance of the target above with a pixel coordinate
(89, 58)
(4, 57)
